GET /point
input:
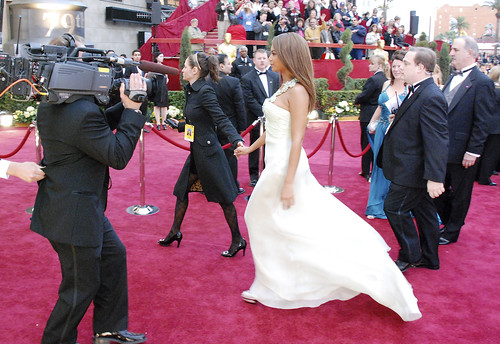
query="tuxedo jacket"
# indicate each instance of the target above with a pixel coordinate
(416, 145)
(255, 94)
(368, 98)
(78, 147)
(230, 97)
(469, 115)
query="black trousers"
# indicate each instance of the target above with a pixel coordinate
(367, 159)
(417, 243)
(250, 37)
(454, 203)
(253, 158)
(490, 158)
(90, 274)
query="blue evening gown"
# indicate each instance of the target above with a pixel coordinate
(379, 185)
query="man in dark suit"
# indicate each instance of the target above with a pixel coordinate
(491, 154)
(368, 99)
(470, 97)
(242, 64)
(414, 160)
(79, 146)
(258, 84)
(230, 97)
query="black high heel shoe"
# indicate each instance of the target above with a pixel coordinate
(233, 250)
(167, 241)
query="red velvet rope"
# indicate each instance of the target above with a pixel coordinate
(157, 132)
(322, 141)
(226, 146)
(343, 144)
(20, 145)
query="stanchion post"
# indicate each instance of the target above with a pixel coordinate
(330, 187)
(38, 154)
(143, 208)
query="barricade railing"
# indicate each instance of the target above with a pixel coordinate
(23, 141)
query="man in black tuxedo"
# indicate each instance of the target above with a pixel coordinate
(258, 84)
(79, 146)
(230, 97)
(242, 64)
(414, 160)
(470, 97)
(368, 99)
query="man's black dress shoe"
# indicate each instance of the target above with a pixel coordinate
(423, 264)
(402, 266)
(119, 337)
(240, 191)
(495, 173)
(442, 230)
(490, 183)
(253, 182)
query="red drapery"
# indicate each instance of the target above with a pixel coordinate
(172, 28)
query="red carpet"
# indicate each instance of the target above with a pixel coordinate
(191, 294)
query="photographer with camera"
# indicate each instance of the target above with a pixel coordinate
(79, 146)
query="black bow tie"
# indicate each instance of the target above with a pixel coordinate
(460, 72)
(260, 73)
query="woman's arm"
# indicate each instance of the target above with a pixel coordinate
(375, 117)
(298, 100)
(242, 150)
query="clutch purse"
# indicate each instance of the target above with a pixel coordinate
(372, 126)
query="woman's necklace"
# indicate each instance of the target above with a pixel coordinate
(284, 87)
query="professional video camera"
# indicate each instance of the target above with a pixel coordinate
(58, 74)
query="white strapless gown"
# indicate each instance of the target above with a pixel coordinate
(318, 250)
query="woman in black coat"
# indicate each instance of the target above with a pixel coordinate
(207, 161)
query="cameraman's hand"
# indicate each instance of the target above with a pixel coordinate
(135, 83)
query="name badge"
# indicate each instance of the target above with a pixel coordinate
(249, 22)
(265, 33)
(189, 133)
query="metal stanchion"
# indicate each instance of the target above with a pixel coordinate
(38, 148)
(143, 208)
(330, 187)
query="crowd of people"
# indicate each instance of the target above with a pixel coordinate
(317, 21)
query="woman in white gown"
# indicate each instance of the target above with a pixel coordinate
(308, 247)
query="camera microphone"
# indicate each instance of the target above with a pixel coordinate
(147, 66)
(121, 60)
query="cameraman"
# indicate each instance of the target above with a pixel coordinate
(79, 146)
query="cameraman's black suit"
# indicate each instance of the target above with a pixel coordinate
(255, 94)
(79, 145)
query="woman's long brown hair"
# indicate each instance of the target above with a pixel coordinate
(293, 52)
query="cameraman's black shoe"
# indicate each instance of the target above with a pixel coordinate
(119, 337)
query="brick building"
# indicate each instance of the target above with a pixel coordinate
(477, 16)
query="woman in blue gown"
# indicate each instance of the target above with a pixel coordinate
(394, 91)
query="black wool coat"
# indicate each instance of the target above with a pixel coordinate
(207, 158)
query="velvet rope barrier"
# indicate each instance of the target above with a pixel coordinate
(321, 142)
(226, 146)
(20, 145)
(345, 148)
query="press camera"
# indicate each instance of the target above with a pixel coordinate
(60, 74)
